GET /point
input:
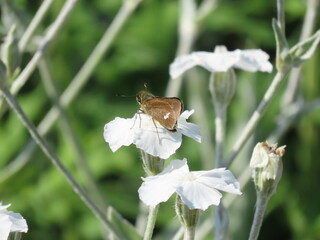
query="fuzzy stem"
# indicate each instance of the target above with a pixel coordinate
(189, 233)
(262, 201)
(153, 212)
(256, 116)
(50, 153)
(220, 123)
(281, 15)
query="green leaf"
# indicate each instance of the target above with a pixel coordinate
(283, 56)
(304, 50)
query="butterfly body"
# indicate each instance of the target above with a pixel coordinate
(165, 110)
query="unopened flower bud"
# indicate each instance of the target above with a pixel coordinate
(266, 162)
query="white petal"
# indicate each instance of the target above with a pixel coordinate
(176, 166)
(156, 189)
(218, 62)
(198, 196)
(3, 207)
(260, 157)
(119, 132)
(182, 64)
(253, 60)
(220, 179)
(19, 224)
(156, 140)
(10, 222)
(189, 129)
(159, 188)
(5, 226)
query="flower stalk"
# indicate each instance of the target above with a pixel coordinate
(261, 205)
(50, 153)
(152, 217)
(188, 218)
(266, 162)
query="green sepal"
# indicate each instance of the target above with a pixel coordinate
(304, 50)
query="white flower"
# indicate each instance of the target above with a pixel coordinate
(154, 140)
(198, 190)
(221, 60)
(10, 222)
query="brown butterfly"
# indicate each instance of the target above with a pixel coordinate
(165, 110)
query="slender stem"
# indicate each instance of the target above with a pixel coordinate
(187, 34)
(220, 123)
(256, 116)
(153, 211)
(189, 233)
(47, 78)
(50, 153)
(52, 32)
(261, 206)
(281, 15)
(35, 22)
(307, 29)
(77, 82)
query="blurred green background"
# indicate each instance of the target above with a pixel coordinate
(140, 54)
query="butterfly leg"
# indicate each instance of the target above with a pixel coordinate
(156, 130)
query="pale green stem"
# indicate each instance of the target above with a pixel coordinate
(35, 22)
(52, 32)
(281, 15)
(195, 91)
(256, 116)
(50, 153)
(46, 76)
(152, 166)
(153, 212)
(76, 84)
(187, 33)
(141, 219)
(307, 29)
(287, 121)
(261, 206)
(189, 233)
(220, 124)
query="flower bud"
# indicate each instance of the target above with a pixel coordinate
(188, 217)
(222, 84)
(266, 162)
(152, 165)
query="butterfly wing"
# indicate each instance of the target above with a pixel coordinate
(164, 110)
